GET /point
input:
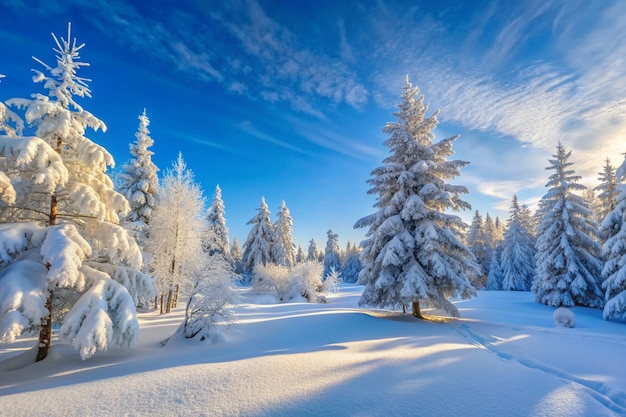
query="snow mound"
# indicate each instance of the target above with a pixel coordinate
(564, 317)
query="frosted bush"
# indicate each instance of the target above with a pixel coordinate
(564, 317)
(272, 278)
(306, 281)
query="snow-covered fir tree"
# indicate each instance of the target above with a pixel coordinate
(10, 123)
(300, 255)
(312, 252)
(332, 254)
(351, 265)
(283, 246)
(614, 252)
(495, 277)
(177, 229)
(216, 240)
(607, 194)
(412, 254)
(568, 267)
(139, 182)
(517, 259)
(63, 253)
(499, 232)
(258, 246)
(476, 240)
(236, 256)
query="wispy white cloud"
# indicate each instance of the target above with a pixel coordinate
(248, 128)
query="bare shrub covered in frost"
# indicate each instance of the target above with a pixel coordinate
(332, 282)
(306, 281)
(303, 280)
(564, 317)
(209, 310)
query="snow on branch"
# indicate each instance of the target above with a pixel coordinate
(34, 154)
(22, 300)
(140, 286)
(103, 316)
(64, 249)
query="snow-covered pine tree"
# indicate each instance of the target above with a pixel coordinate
(568, 267)
(607, 194)
(312, 252)
(235, 254)
(500, 229)
(614, 252)
(177, 229)
(10, 123)
(139, 183)
(64, 253)
(492, 235)
(257, 248)
(283, 250)
(332, 256)
(217, 240)
(495, 277)
(412, 253)
(476, 242)
(517, 259)
(351, 265)
(300, 255)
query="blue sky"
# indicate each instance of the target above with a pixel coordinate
(287, 99)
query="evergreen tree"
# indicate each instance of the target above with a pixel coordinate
(64, 255)
(300, 256)
(312, 253)
(139, 183)
(614, 253)
(217, 240)
(10, 123)
(283, 247)
(257, 248)
(235, 254)
(517, 260)
(177, 230)
(412, 253)
(332, 253)
(495, 277)
(500, 229)
(568, 268)
(607, 194)
(351, 265)
(477, 243)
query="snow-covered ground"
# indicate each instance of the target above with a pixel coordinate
(505, 357)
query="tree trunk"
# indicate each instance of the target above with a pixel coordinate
(45, 333)
(417, 312)
(168, 305)
(161, 303)
(176, 297)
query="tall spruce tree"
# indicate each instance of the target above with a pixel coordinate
(139, 183)
(517, 260)
(217, 240)
(607, 195)
(412, 254)
(312, 252)
(283, 247)
(332, 254)
(614, 252)
(64, 255)
(258, 246)
(568, 267)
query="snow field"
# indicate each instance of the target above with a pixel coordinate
(505, 357)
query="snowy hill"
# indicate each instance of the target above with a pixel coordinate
(505, 357)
